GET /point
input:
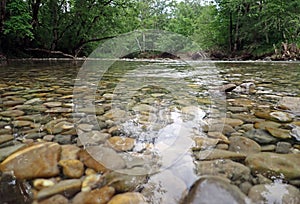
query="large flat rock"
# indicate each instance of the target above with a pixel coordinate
(38, 160)
(272, 164)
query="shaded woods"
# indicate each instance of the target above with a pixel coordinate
(225, 29)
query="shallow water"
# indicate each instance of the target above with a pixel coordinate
(162, 105)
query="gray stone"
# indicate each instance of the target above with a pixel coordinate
(283, 147)
(243, 145)
(260, 136)
(225, 168)
(210, 190)
(6, 151)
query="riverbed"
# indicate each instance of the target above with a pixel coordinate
(150, 131)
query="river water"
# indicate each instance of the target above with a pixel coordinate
(170, 122)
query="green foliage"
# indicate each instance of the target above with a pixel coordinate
(77, 27)
(18, 24)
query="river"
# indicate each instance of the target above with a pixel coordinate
(152, 127)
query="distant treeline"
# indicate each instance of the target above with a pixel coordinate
(222, 28)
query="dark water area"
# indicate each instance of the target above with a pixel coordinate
(157, 131)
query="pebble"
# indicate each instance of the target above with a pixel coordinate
(97, 196)
(38, 160)
(90, 182)
(128, 198)
(121, 143)
(72, 168)
(42, 183)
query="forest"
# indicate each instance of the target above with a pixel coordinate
(225, 29)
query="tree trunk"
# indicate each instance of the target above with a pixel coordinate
(35, 6)
(230, 32)
(2, 14)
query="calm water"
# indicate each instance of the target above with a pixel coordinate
(160, 104)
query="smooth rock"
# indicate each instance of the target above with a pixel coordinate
(72, 168)
(12, 113)
(59, 110)
(56, 126)
(6, 138)
(69, 152)
(210, 190)
(260, 136)
(272, 164)
(225, 168)
(202, 143)
(90, 162)
(279, 133)
(106, 156)
(97, 196)
(128, 198)
(85, 127)
(56, 199)
(42, 183)
(90, 182)
(93, 137)
(264, 124)
(6, 151)
(276, 116)
(53, 104)
(283, 147)
(219, 136)
(236, 109)
(274, 193)
(144, 108)
(121, 143)
(224, 128)
(232, 122)
(218, 154)
(281, 116)
(247, 118)
(123, 182)
(268, 148)
(63, 139)
(243, 145)
(228, 87)
(65, 187)
(290, 103)
(241, 102)
(38, 160)
(21, 123)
